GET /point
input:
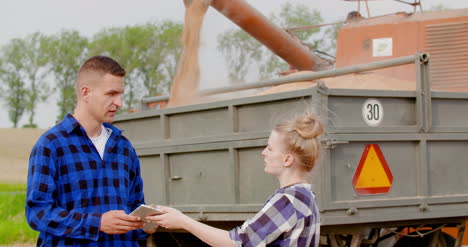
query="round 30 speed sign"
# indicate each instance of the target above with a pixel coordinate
(372, 112)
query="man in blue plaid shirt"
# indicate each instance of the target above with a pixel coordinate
(84, 175)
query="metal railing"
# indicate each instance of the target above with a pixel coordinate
(318, 75)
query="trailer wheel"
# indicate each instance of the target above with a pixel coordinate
(176, 239)
(443, 239)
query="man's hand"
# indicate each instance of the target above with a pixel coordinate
(118, 222)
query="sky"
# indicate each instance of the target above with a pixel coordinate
(19, 18)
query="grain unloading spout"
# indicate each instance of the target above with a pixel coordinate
(273, 37)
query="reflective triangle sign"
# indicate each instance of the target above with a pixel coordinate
(372, 176)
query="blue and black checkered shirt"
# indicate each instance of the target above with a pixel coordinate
(70, 186)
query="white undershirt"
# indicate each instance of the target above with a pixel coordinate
(100, 141)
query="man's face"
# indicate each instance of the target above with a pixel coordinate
(105, 98)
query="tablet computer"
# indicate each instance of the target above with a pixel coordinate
(145, 210)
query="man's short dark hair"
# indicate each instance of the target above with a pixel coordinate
(102, 64)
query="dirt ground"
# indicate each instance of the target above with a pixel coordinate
(15, 146)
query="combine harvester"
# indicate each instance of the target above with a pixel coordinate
(395, 160)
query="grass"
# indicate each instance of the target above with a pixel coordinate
(13, 188)
(13, 225)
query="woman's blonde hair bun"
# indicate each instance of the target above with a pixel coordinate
(301, 135)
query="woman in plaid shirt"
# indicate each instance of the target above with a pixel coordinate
(290, 217)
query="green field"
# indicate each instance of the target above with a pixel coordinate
(13, 226)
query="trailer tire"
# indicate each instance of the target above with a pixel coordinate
(176, 239)
(425, 241)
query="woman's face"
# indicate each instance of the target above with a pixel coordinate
(274, 154)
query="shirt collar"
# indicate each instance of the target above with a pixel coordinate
(113, 128)
(69, 123)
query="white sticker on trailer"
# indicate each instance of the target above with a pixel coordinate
(372, 112)
(382, 47)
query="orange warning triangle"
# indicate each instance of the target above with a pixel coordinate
(372, 175)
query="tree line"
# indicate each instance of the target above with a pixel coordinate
(38, 66)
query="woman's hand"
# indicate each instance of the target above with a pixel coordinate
(171, 219)
(151, 231)
(174, 219)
